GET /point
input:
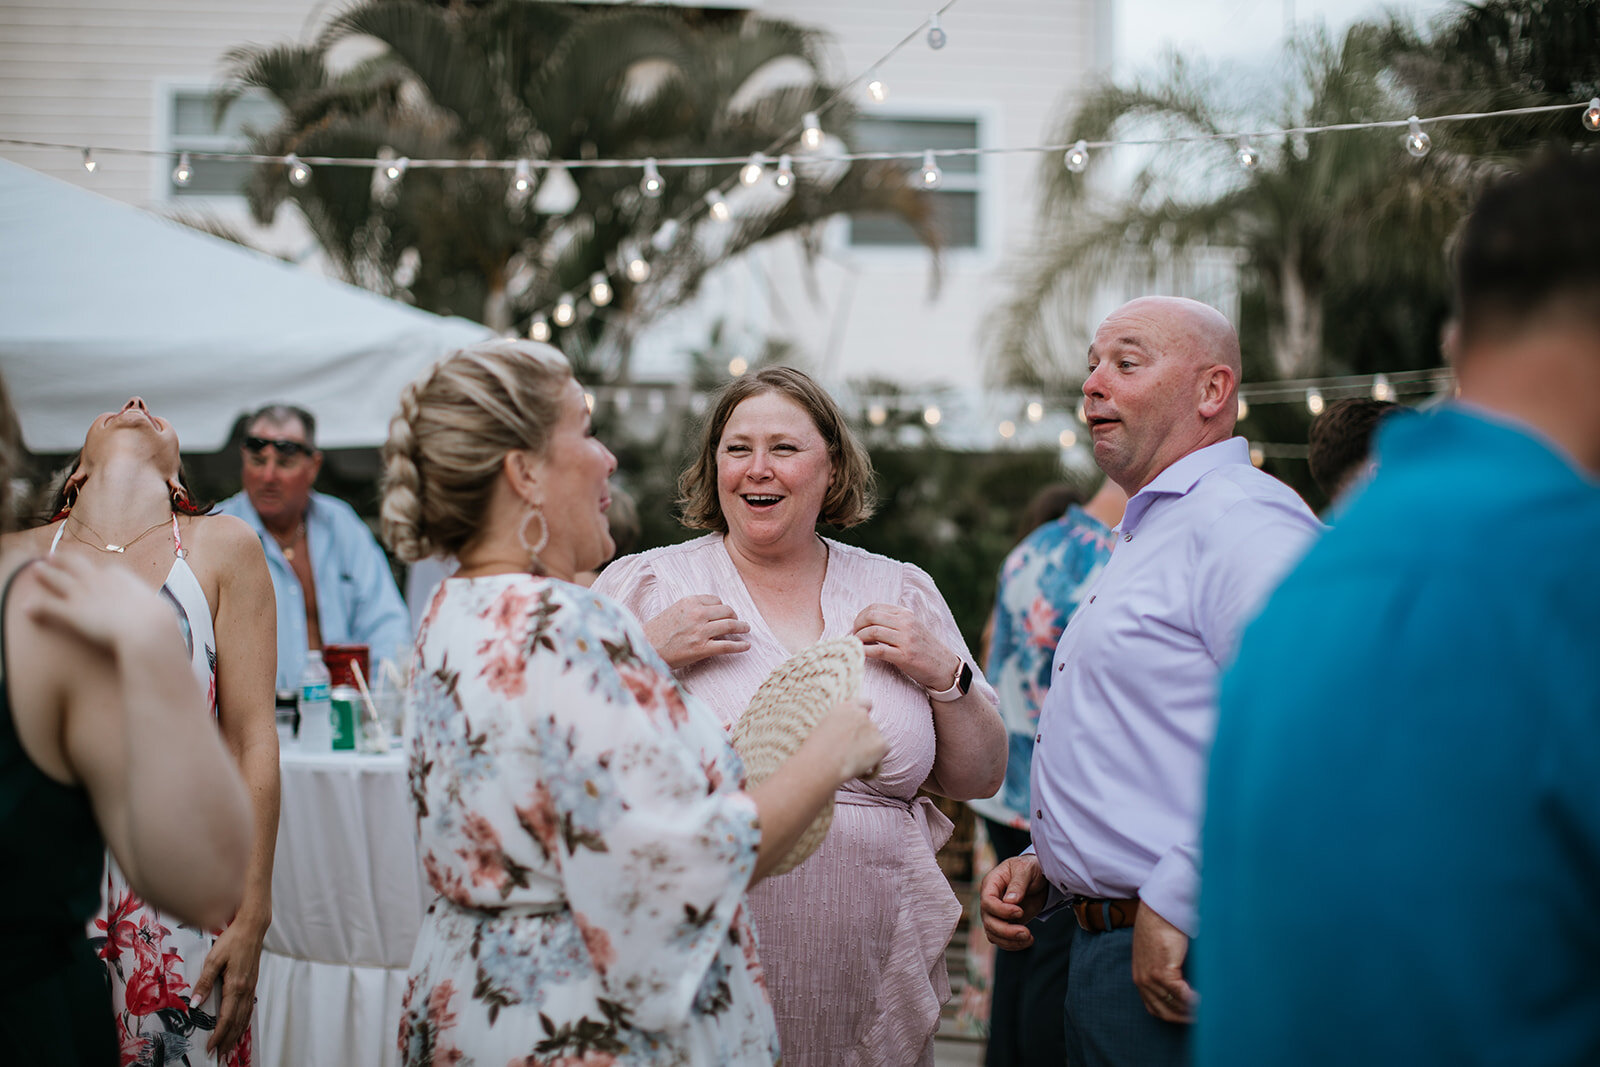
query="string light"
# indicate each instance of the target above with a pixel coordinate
(1067, 439)
(1247, 156)
(717, 206)
(1244, 408)
(396, 169)
(599, 290)
(1258, 456)
(521, 183)
(931, 415)
(651, 184)
(88, 161)
(299, 173)
(1417, 142)
(752, 171)
(1008, 429)
(1077, 157)
(1079, 413)
(183, 173)
(1591, 116)
(1314, 402)
(937, 38)
(1381, 389)
(932, 176)
(737, 366)
(785, 176)
(665, 234)
(539, 329)
(637, 269)
(811, 132)
(876, 89)
(877, 414)
(1035, 411)
(566, 312)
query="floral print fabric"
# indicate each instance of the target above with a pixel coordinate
(581, 819)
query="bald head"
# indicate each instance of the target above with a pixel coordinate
(1163, 382)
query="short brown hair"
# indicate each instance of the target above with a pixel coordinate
(849, 500)
(1341, 440)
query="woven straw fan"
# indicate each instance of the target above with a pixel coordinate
(781, 715)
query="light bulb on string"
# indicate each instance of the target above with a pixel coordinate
(937, 38)
(876, 89)
(737, 366)
(299, 173)
(566, 311)
(1035, 411)
(183, 173)
(877, 414)
(1258, 455)
(1247, 156)
(396, 168)
(539, 329)
(88, 161)
(811, 131)
(931, 415)
(1244, 408)
(1591, 116)
(932, 176)
(717, 206)
(1008, 429)
(1417, 141)
(667, 233)
(599, 290)
(1077, 157)
(521, 182)
(637, 269)
(1067, 439)
(1314, 402)
(651, 184)
(752, 171)
(785, 176)
(1080, 414)
(1381, 389)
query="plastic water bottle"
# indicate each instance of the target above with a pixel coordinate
(316, 706)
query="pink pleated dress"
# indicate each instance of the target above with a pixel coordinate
(853, 939)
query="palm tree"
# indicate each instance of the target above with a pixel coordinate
(519, 79)
(1314, 217)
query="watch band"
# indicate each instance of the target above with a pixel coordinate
(958, 687)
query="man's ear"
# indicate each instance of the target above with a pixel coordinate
(316, 464)
(1216, 390)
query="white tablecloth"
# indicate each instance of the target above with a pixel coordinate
(348, 896)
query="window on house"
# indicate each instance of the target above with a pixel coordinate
(195, 129)
(954, 203)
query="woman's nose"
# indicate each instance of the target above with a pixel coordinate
(135, 402)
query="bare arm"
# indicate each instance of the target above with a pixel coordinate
(844, 745)
(246, 629)
(101, 649)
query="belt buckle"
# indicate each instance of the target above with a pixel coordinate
(1080, 908)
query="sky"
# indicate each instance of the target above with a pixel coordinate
(1233, 29)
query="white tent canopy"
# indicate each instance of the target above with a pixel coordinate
(100, 301)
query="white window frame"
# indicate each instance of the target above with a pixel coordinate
(986, 183)
(166, 94)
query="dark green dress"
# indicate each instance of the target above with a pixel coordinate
(57, 1004)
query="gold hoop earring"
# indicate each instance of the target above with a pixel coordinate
(534, 512)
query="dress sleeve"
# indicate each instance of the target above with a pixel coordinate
(631, 582)
(637, 804)
(921, 597)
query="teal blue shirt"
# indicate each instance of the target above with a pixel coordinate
(1402, 842)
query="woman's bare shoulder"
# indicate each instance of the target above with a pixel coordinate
(225, 535)
(27, 543)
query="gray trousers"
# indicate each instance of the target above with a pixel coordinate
(1106, 1022)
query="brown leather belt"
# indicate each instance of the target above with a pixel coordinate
(1098, 916)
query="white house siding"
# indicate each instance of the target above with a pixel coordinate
(93, 72)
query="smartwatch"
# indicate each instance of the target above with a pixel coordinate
(958, 688)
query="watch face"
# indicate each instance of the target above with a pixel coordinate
(964, 680)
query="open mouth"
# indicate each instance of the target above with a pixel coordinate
(1098, 421)
(762, 500)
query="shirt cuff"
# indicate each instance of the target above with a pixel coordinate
(1171, 888)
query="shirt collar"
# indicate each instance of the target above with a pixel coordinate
(1182, 475)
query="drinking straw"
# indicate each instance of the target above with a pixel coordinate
(366, 697)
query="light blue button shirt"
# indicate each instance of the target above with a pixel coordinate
(1118, 770)
(357, 601)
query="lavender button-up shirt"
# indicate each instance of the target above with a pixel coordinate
(1119, 761)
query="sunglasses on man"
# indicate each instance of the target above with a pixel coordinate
(286, 449)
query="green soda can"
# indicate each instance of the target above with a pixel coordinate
(345, 715)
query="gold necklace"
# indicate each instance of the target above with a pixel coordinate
(288, 549)
(109, 546)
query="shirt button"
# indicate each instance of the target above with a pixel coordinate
(1038, 814)
(1061, 666)
(1038, 738)
(1127, 537)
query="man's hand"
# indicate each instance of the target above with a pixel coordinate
(696, 628)
(234, 961)
(1159, 949)
(1010, 896)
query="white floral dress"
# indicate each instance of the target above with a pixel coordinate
(582, 821)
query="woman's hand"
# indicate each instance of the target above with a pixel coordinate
(847, 730)
(234, 961)
(899, 638)
(696, 628)
(101, 604)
